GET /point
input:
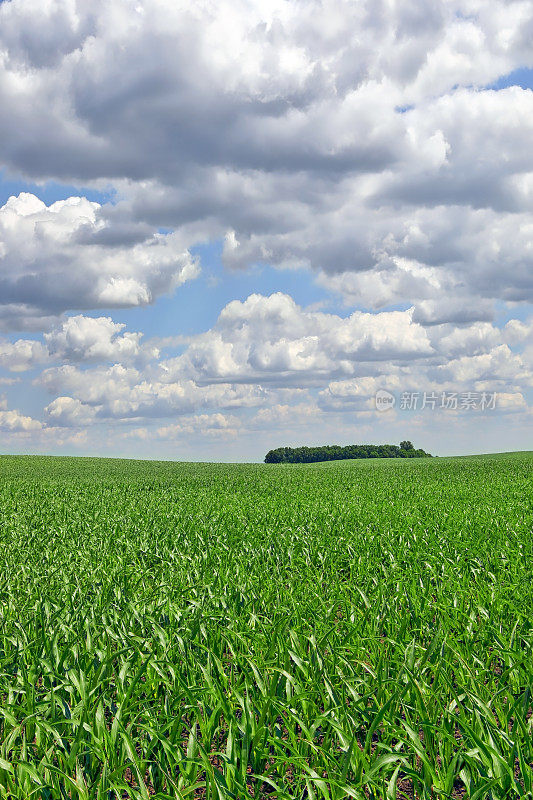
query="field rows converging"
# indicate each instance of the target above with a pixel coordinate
(344, 630)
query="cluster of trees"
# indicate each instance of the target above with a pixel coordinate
(333, 452)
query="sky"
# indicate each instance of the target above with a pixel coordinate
(227, 227)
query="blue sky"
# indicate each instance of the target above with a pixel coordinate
(270, 228)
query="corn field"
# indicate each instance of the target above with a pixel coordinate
(344, 630)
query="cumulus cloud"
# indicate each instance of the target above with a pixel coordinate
(357, 394)
(443, 259)
(81, 338)
(512, 401)
(499, 366)
(55, 258)
(68, 411)
(12, 421)
(21, 355)
(170, 78)
(122, 393)
(272, 339)
(78, 339)
(359, 142)
(284, 414)
(210, 425)
(334, 135)
(271, 354)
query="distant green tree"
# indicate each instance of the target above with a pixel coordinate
(308, 455)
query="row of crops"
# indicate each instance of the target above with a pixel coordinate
(344, 630)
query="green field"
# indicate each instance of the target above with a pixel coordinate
(350, 629)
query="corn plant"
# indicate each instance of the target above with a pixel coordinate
(341, 630)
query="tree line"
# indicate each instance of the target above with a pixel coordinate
(334, 452)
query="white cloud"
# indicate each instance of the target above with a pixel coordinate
(443, 259)
(469, 340)
(78, 339)
(81, 338)
(131, 92)
(210, 425)
(335, 135)
(358, 141)
(492, 369)
(511, 401)
(15, 422)
(270, 354)
(22, 354)
(272, 339)
(122, 393)
(70, 255)
(284, 414)
(356, 394)
(68, 411)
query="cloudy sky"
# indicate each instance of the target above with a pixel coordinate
(224, 226)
